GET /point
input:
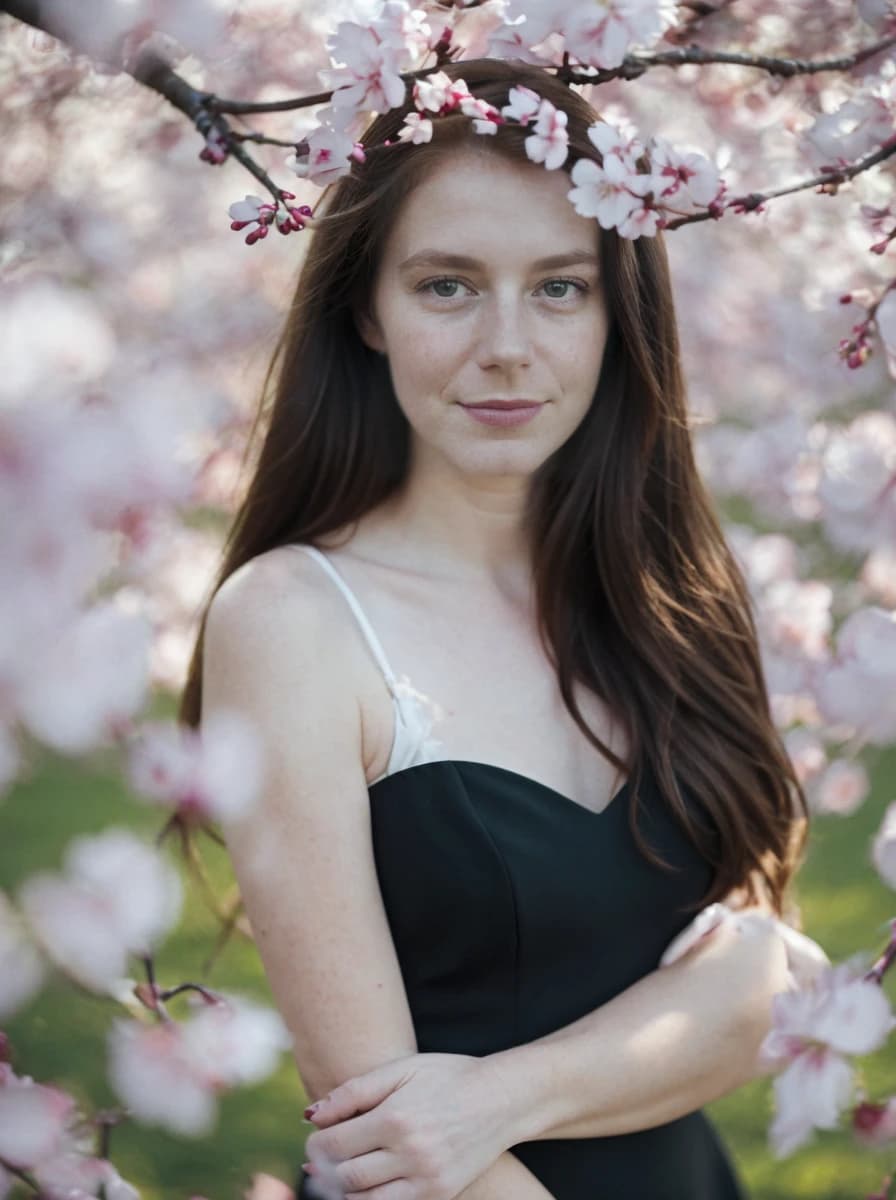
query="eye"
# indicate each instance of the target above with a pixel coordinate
(444, 288)
(559, 289)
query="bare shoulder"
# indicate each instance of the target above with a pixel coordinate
(275, 646)
(281, 593)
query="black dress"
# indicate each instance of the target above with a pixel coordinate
(516, 910)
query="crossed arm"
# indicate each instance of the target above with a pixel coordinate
(674, 1041)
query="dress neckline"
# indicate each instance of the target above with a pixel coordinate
(544, 788)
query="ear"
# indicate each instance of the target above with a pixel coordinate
(370, 332)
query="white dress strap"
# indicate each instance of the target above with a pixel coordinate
(366, 628)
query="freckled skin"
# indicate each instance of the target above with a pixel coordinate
(504, 327)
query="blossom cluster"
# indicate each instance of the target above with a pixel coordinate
(632, 187)
(816, 1030)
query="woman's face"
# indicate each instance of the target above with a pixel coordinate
(489, 289)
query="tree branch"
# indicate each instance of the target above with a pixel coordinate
(826, 179)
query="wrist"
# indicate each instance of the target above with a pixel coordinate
(528, 1099)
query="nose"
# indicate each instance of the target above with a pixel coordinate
(503, 334)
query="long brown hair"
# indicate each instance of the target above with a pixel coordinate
(638, 595)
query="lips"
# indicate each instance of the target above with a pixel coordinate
(504, 405)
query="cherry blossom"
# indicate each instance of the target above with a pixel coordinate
(404, 29)
(328, 158)
(22, 969)
(689, 180)
(841, 788)
(416, 129)
(857, 486)
(439, 93)
(253, 213)
(603, 191)
(523, 105)
(854, 129)
(115, 897)
(35, 1120)
(367, 76)
(549, 141)
(153, 1073)
(883, 851)
(885, 319)
(89, 681)
(170, 1074)
(76, 1174)
(215, 773)
(856, 687)
(814, 1028)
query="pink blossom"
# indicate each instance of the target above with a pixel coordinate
(513, 40)
(34, 1120)
(838, 1014)
(76, 1174)
(328, 157)
(807, 754)
(252, 213)
(72, 345)
(403, 29)
(842, 788)
(811, 1093)
(609, 139)
(416, 129)
(528, 23)
(644, 219)
(549, 143)
(21, 967)
(152, 1073)
(215, 773)
(602, 191)
(841, 1011)
(368, 78)
(523, 106)
(439, 93)
(597, 35)
(116, 897)
(171, 1074)
(885, 319)
(857, 487)
(883, 851)
(857, 127)
(856, 688)
(235, 1041)
(687, 180)
(89, 681)
(879, 574)
(795, 617)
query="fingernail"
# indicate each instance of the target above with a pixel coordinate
(311, 1110)
(308, 1168)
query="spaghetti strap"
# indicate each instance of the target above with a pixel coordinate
(366, 628)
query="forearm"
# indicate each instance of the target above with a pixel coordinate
(506, 1179)
(674, 1041)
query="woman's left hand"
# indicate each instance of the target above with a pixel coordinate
(419, 1128)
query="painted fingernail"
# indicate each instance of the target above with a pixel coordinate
(311, 1110)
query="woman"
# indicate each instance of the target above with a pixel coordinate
(461, 884)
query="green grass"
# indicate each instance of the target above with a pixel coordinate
(61, 1036)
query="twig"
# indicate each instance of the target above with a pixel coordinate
(830, 178)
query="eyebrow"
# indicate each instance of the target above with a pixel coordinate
(461, 262)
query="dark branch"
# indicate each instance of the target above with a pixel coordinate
(829, 179)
